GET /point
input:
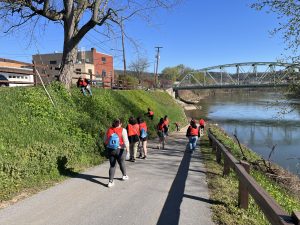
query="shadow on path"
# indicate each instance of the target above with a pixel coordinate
(171, 210)
(63, 170)
(205, 172)
(213, 202)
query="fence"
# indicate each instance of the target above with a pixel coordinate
(247, 185)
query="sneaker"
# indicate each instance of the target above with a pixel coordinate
(125, 177)
(110, 184)
(144, 157)
(132, 160)
(140, 156)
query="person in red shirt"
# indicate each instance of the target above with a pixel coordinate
(166, 121)
(201, 126)
(193, 134)
(133, 137)
(116, 149)
(161, 133)
(143, 137)
(84, 86)
(150, 114)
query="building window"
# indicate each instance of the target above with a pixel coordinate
(103, 73)
(53, 62)
(103, 59)
(57, 68)
(90, 71)
(78, 71)
(9, 76)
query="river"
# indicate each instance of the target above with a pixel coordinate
(260, 121)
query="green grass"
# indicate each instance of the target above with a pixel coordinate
(39, 142)
(224, 189)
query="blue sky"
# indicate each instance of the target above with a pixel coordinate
(196, 33)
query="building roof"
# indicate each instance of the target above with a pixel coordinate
(25, 71)
(14, 61)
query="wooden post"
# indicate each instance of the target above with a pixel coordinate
(210, 141)
(226, 169)
(296, 217)
(243, 192)
(218, 154)
(35, 74)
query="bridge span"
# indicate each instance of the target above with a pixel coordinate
(242, 75)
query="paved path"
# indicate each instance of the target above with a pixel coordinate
(169, 188)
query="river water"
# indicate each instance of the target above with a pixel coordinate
(260, 121)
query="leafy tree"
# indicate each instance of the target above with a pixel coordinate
(77, 17)
(176, 73)
(128, 81)
(288, 11)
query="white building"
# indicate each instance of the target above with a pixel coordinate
(14, 73)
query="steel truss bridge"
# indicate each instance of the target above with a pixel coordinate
(242, 75)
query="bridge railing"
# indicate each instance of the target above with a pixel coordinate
(247, 185)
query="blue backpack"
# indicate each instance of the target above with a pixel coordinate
(113, 142)
(143, 133)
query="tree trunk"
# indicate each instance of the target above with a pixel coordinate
(69, 50)
(68, 61)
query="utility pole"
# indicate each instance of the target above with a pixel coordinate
(123, 48)
(157, 58)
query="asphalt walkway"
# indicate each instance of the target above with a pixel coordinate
(168, 188)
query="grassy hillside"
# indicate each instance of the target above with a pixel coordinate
(39, 142)
(224, 189)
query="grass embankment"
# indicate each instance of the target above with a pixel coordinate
(224, 189)
(39, 143)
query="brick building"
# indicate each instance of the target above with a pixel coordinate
(93, 65)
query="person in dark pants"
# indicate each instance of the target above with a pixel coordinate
(150, 114)
(117, 144)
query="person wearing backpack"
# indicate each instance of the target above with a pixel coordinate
(133, 131)
(116, 141)
(161, 133)
(143, 137)
(193, 134)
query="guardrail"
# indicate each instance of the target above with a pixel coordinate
(247, 185)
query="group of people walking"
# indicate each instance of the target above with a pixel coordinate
(121, 142)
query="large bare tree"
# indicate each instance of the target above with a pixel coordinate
(77, 17)
(139, 66)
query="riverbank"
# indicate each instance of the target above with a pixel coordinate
(223, 189)
(39, 143)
